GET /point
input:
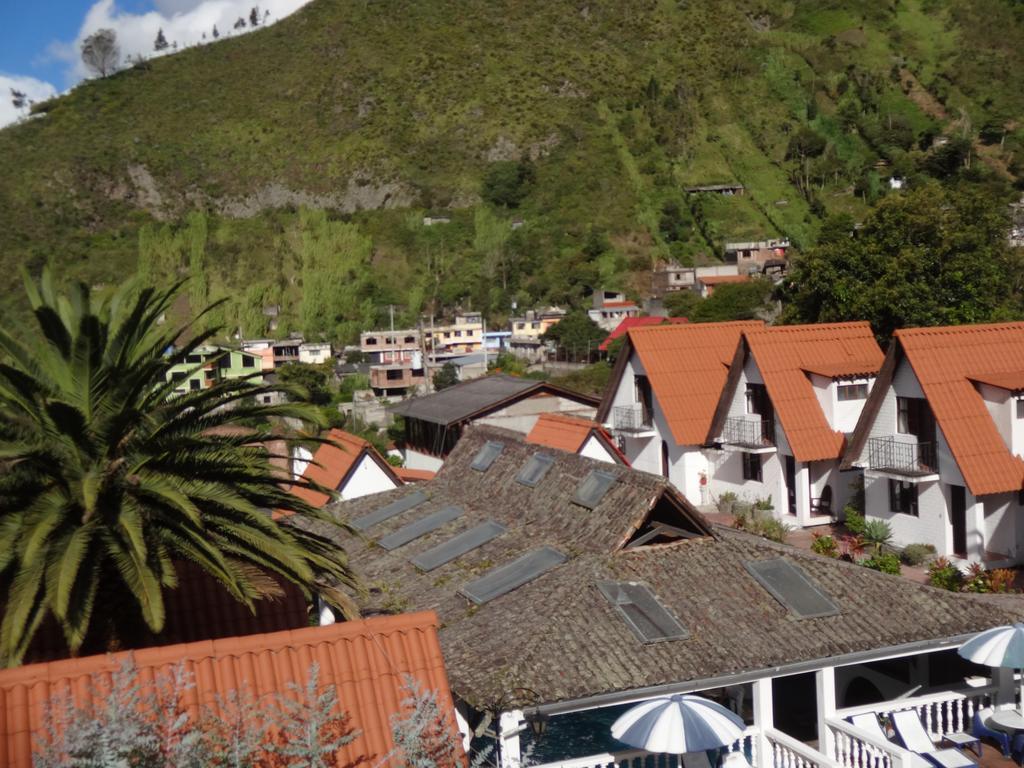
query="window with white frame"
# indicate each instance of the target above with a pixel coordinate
(852, 391)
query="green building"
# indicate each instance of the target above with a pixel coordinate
(209, 364)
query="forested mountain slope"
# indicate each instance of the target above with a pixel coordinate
(294, 165)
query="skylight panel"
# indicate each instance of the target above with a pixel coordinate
(457, 546)
(505, 578)
(487, 455)
(788, 584)
(593, 488)
(535, 469)
(420, 527)
(644, 615)
(396, 507)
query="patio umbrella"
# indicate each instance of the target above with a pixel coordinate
(678, 724)
(998, 647)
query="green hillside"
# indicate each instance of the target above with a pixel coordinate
(294, 165)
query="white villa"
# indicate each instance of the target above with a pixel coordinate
(941, 442)
(661, 400)
(793, 393)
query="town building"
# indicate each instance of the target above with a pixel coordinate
(662, 397)
(434, 423)
(752, 256)
(668, 277)
(463, 336)
(941, 442)
(793, 394)
(526, 332)
(315, 352)
(610, 308)
(706, 285)
(576, 435)
(348, 466)
(727, 190)
(396, 361)
(206, 365)
(613, 589)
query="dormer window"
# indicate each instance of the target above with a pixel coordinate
(852, 391)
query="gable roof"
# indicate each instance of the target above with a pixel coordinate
(629, 323)
(560, 637)
(365, 660)
(469, 399)
(334, 462)
(570, 434)
(784, 354)
(687, 366)
(946, 361)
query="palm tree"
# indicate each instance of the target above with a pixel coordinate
(107, 478)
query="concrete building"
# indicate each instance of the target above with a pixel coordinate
(314, 353)
(208, 364)
(463, 336)
(610, 308)
(752, 256)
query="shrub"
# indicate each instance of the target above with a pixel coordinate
(916, 554)
(944, 575)
(886, 562)
(772, 529)
(1000, 580)
(851, 547)
(855, 522)
(877, 533)
(824, 544)
(726, 501)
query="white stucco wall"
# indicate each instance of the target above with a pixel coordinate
(300, 460)
(595, 449)
(368, 477)
(416, 460)
(522, 415)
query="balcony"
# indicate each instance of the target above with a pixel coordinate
(749, 432)
(902, 457)
(633, 420)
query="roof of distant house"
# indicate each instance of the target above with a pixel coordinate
(687, 365)
(731, 625)
(783, 355)
(947, 361)
(723, 279)
(407, 475)
(629, 323)
(569, 433)
(617, 304)
(366, 661)
(334, 462)
(473, 398)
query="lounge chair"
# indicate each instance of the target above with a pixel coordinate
(911, 734)
(868, 722)
(981, 730)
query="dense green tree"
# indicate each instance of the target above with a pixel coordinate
(507, 182)
(446, 376)
(933, 256)
(313, 380)
(734, 301)
(109, 479)
(576, 332)
(681, 303)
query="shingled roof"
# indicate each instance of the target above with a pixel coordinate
(784, 356)
(468, 399)
(687, 366)
(947, 361)
(559, 636)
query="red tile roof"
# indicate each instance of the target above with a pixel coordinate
(333, 462)
(365, 660)
(570, 433)
(1013, 381)
(945, 360)
(630, 323)
(783, 355)
(687, 367)
(615, 304)
(407, 475)
(721, 279)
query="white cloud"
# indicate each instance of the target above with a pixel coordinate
(36, 90)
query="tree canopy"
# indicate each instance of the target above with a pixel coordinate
(932, 256)
(576, 331)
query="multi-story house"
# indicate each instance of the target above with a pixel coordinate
(315, 352)
(752, 256)
(941, 442)
(661, 400)
(208, 364)
(396, 360)
(464, 336)
(793, 394)
(527, 331)
(610, 308)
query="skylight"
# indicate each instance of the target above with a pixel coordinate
(789, 585)
(457, 546)
(396, 507)
(505, 578)
(486, 456)
(420, 527)
(593, 488)
(535, 469)
(642, 612)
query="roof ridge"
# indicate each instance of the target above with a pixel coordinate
(943, 330)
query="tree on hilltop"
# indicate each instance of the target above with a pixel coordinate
(101, 53)
(254, 16)
(160, 43)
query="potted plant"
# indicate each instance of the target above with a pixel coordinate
(726, 501)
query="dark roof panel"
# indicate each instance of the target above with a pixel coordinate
(388, 511)
(593, 488)
(510, 576)
(420, 527)
(642, 612)
(789, 585)
(486, 456)
(534, 470)
(458, 545)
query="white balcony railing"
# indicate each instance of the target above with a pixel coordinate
(787, 752)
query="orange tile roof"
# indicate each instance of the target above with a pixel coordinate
(687, 367)
(630, 323)
(332, 463)
(720, 279)
(1013, 381)
(407, 475)
(615, 304)
(570, 433)
(945, 360)
(783, 354)
(365, 660)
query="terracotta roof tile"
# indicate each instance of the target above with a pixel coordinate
(615, 304)
(946, 360)
(407, 475)
(365, 660)
(629, 323)
(723, 279)
(333, 462)
(783, 355)
(687, 366)
(570, 433)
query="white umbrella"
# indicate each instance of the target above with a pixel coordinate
(678, 724)
(998, 647)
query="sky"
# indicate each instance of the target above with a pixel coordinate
(40, 39)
